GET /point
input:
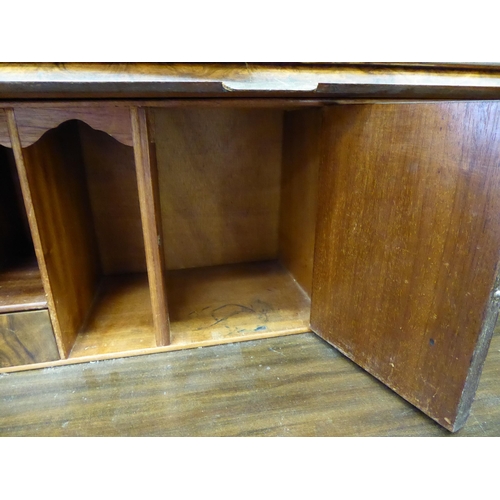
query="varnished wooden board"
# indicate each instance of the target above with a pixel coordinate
(149, 200)
(32, 123)
(287, 386)
(219, 180)
(152, 80)
(120, 320)
(25, 338)
(61, 214)
(299, 193)
(207, 306)
(219, 303)
(21, 288)
(408, 246)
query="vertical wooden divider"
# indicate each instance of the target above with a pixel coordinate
(33, 223)
(147, 182)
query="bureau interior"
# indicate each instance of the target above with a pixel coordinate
(84, 191)
(20, 281)
(238, 207)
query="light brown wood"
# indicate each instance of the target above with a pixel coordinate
(112, 185)
(34, 228)
(408, 245)
(231, 80)
(60, 205)
(210, 306)
(299, 193)
(287, 386)
(219, 177)
(226, 302)
(32, 123)
(21, 288)
(120, 320)
(4, 130)
(147, 182)
(26, 337)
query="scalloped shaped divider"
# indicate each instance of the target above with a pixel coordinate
(32, 123)
(82, 184)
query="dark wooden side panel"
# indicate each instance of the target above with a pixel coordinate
(408, 245)
(299, 193)
(57, 184)
(4, 130)
(26, 338)
(112, 185)
(13, 236)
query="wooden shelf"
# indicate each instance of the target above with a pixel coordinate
(120, 319)
(21, 288)
(218, 303)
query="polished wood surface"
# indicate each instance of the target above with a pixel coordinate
(408, 244)
(203, 309)
(299, 193)
(26, 337)
(220, 303)
(148, 80)
(120, 318)
(21, 287)
(114, 199)
(32, 123)
(4, 130)
(287, 386)
(149, 196)
(219, 180)
(58, 189)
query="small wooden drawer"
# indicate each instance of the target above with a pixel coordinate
(26, 338)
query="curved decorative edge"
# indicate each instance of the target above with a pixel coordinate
(32, 123)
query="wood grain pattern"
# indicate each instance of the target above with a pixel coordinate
(26, 338)
(56, 181)
(120, 319)
(231, 80)
(21, 288)
(32, 123)
(231, 301)
(112, 186)
(32, 218)
(299, 193)
(408, 244)
(147, 182)
(219, 176)
(287, 386)
(285, 103)
(4, 130)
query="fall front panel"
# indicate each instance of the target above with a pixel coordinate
(407, 245)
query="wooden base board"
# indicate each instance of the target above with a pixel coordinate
(21, 288)
(120, 320)
(214, 303)
(264, 293)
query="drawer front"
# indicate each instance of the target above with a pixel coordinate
(26, 338)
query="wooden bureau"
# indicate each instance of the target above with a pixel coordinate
(148, 208)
